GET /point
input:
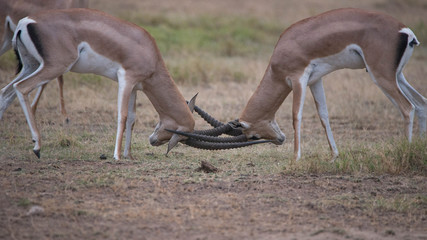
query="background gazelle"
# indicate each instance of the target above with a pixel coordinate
(10, 13)
(314, 47)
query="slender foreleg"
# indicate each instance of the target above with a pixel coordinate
(129, 124)
(124, 94)
(299, 89)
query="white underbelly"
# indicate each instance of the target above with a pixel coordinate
(351, 57)
(90, 61)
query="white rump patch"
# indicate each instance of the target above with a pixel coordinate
(411, 35)
(21, 24)
(408, 51)
(26, 39)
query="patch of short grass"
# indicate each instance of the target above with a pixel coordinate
(24, 202)
(225, 36)
(396, 156)
(400, 204)
(205, 49)
(8, 62)
(402, 156)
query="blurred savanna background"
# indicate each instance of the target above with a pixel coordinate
(220, 50)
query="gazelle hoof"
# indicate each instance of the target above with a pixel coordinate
(37, 152)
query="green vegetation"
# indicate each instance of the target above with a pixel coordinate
(8, 62)
(199, 49)
(389, 157)
(392, 157)
(225, 36)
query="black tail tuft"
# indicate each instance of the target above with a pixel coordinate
(18, 57)
(401, 47)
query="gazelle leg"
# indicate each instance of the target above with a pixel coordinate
(125, 90)
(23, 99)
(129, 124)
(6, 41)
(8, 93)
(23, 88)
(419, 102)
(60, 81)
(299, 90)
(36, 99)
(322, 109)
(393, 92)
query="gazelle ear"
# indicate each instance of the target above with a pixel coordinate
(192, 103)
(174, 141)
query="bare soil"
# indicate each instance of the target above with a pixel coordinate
(248, 206)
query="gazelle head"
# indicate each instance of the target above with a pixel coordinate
(264, 129)
(161, 135)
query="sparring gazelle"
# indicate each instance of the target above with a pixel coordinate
(10, 13)
(54, 42)
(316, 46)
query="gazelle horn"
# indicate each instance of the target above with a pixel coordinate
(219, 127)
(215, 131)
(208, 118)
(207, 138)
(219, 145)
(216, 143)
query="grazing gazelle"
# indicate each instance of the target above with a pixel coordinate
(11, 11)
(88, 41)
(316, 46)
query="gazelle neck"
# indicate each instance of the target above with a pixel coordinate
(267, 98)
(167, 100)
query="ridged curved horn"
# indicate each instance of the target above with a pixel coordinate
(234, 132)
(240, 138)
(208, 118)
(220, 146)
(215, 131)
(216, 124)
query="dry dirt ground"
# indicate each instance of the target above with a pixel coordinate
(158, 197)
(240, 207)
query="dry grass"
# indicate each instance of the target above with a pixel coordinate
(375, 190)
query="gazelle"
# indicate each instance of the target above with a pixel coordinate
(11, 11)
(89, 41)
(314, 47)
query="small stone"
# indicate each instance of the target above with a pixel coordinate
(207, 167)
(35, 210)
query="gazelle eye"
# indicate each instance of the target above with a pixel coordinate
(255, 137)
